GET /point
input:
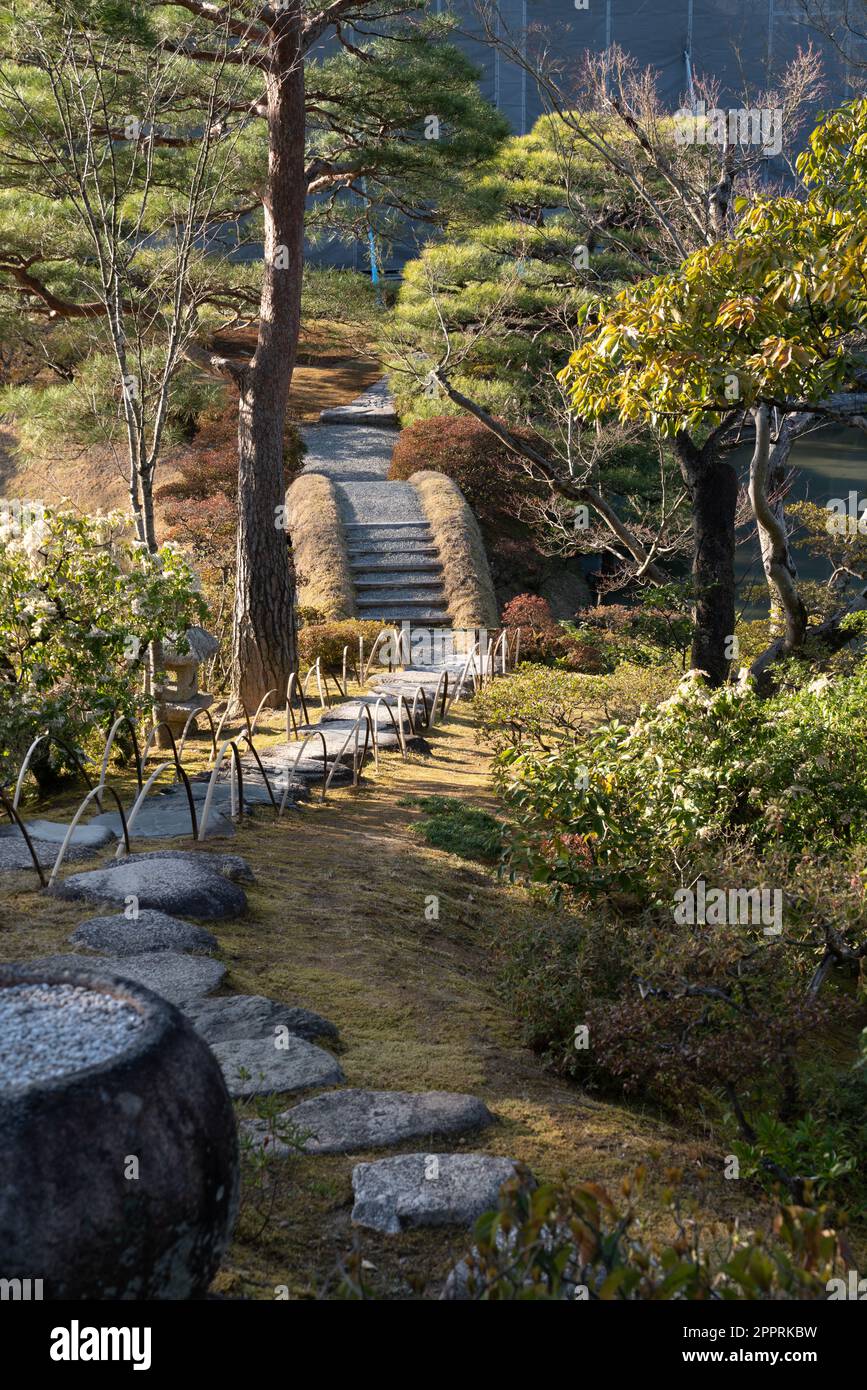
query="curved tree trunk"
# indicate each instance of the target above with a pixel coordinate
(776, 556)
(263, 645)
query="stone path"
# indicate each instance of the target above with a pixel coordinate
(265, 1047)
(395, 564)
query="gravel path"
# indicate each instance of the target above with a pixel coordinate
(51, 1030)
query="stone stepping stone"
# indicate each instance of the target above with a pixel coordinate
(177, 977)
(254, 1016)
(175, 886)
(259, 1066)
(233, 866)
(396, 1194)
(165, 816)
(352, 1121)
(14, 854)
(52, 832)
(150, 931)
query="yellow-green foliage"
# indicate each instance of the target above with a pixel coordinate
(323, 576)
(548, 707)
(466, 576)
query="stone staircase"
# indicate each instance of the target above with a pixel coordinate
(397, 572)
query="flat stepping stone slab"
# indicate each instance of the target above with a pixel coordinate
(254, 1016)
(353, 1121)
(261, 1066)
(177, 977)
(150, 931)
(233, 866)
(165, 815)
(395, 1194)
(52, 832)
(173, 886)
(14, 854)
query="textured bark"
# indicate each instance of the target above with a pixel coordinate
(263, 644)
(773, 535)
(712, 484)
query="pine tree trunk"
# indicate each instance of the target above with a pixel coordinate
(263, 645)
(713, 490)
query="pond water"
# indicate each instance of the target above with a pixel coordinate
(828, 463)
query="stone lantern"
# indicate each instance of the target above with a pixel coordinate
(179, 695)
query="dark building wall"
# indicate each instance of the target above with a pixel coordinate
(736, 41)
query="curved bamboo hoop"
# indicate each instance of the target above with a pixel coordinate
(265, 776)
(290, 688)
(139, 800)
(16, 820)
(112, 734)
(24, 766)
(194, 714)
(182, 776)
(308, 739)
(209, 794)
(77, 817)
(251, 729)
(355, 762)
(419, 690)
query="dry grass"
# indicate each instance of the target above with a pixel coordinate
(321, 563)
(466, 576)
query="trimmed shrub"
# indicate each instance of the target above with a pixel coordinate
(326, 641)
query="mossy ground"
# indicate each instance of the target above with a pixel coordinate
(337, 923)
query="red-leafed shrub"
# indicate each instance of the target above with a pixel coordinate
(543, 640)
(528, 610)
(488, 474)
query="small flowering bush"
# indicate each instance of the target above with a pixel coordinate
(80, 602)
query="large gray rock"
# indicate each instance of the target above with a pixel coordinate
(173, 886)
(355, 1120)
(393, 1194)
(174, 976)
(150, 931)
(566, 592)
(259, 1066)
(253, 1016)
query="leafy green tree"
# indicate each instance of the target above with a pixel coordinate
(768, 320)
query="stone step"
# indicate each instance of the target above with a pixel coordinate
(424, 1189)
(390, 610)
(410, 533)
(393, 557)
(386, 565)
(354, 1121)
(400, 585)
(423, 617)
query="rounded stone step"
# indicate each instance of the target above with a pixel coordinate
(175, 886)
(149, 931)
